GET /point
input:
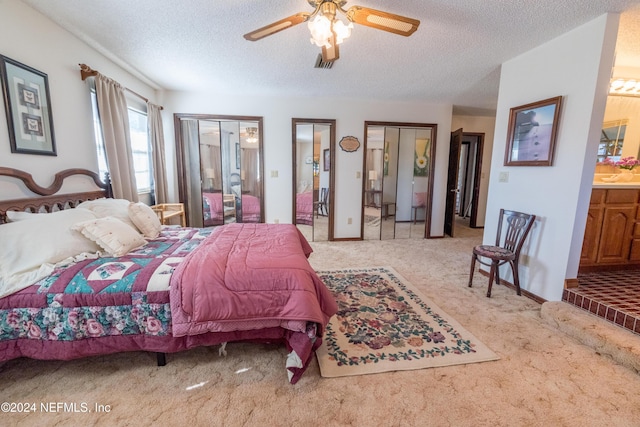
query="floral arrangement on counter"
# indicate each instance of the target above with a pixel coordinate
(627, 163)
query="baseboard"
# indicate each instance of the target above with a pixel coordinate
(525, 293)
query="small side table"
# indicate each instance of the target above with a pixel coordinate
(167, 211)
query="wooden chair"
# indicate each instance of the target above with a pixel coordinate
(506, 250)
(321, 206)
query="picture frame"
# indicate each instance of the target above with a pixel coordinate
(28, 108)
(326, 157)
(532, 131)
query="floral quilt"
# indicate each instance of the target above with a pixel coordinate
(103, 296)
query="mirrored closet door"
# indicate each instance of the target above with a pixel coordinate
(313, 178)
(398, 168)
(220, 171)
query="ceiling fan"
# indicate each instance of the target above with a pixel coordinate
(327, 31)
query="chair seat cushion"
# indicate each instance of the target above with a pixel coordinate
(493, 252)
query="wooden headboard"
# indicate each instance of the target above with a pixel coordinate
(46, 198)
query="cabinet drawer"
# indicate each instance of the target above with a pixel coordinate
(622, 196)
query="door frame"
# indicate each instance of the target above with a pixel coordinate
(477, 175)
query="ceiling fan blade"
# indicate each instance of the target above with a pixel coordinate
(280, 25)
(383, 20)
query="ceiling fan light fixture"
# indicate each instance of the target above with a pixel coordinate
(322, 29)
(328, 31)
(252, 138)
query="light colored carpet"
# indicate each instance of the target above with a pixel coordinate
(544, 377)
(384, 324)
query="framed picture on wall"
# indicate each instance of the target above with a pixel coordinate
(326, 159)
(28, 107)
(531, 135)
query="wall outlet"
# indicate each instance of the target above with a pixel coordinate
(349, 220)
(276, 221)
(503, 177)
(358, 175)
(274, 174)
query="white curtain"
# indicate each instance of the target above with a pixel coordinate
(156, 137)
(114, 119)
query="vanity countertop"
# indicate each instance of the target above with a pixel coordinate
(599, 182)
(613, 185)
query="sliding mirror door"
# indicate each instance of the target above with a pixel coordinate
(398, 183)
(381, 177)
(413, 181)
(220, 172)
(313, 178)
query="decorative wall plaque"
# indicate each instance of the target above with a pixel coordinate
(349, 144)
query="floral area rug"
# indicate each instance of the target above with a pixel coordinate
(383, 324)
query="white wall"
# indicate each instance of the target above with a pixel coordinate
(350, 116)
(486, 125)
(577, 66)
(28, 37)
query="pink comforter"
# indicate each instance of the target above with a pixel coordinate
(249, 276)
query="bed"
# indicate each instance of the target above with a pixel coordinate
(304, 208)
(219, 208)
(151, 292)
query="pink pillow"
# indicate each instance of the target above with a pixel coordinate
(420, 199)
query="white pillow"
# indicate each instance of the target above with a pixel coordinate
(116, 208)
(13, 216)
(30, 248)
(111, 234)
(145, 219)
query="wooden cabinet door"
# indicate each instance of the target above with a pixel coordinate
(589, 255)
(615, 238)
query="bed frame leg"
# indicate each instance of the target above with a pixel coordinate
(162, 359)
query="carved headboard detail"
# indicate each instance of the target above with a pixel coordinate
(47, 200)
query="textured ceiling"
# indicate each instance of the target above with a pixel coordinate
(454, 57)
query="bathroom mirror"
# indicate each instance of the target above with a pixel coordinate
(398, 169)
(220, 171)
(313, 177)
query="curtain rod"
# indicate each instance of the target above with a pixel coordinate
(86, 71)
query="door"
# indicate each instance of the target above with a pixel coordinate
(313, 177)
(220, 170)
(452, 182)
(398, 171)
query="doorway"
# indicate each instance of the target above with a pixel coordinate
(463, 180)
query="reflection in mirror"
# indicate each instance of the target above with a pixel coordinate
(313, 142)
(398, 163)
(620, 136)
(220, 168)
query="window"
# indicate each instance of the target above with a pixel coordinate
(611, 140)
(141, 150)
(140, 146)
